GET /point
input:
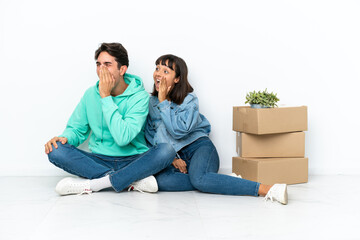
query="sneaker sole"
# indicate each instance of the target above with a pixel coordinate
(286, 196)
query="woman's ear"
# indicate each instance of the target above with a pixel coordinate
(176, 80)
(123, 69)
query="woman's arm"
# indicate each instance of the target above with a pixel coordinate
(183, 120)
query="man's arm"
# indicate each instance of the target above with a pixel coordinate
(76, 132)
(77, 129)
(124, 128)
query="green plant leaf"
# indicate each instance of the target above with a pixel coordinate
(263, 98)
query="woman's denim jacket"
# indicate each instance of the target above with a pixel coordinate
(178, 125)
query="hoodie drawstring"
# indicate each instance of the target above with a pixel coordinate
(102, 126)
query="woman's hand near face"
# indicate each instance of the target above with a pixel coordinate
(180, 164)
(163, 90)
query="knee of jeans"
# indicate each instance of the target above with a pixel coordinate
(197, 182)
(166, 152)
(57, 155)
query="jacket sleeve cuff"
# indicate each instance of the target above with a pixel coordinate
(163, 105)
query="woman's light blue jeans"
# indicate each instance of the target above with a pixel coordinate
(122, 170)
(202, 162)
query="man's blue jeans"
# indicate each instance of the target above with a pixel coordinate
(121, 170)
(202, 162)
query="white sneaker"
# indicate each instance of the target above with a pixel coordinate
(234, 175)
(72, 185)
(278, 192)
(148, 184)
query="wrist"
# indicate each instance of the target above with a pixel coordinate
(104, 95)
(161, 97)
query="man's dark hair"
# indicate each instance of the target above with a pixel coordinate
(183, 87)
(116, 50)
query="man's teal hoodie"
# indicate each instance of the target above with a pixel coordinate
(116, 123)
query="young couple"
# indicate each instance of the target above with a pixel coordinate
(143, 143)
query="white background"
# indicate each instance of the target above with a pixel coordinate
(308, 52)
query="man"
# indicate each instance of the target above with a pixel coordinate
(114, 111)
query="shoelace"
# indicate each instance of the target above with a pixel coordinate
(134, 188)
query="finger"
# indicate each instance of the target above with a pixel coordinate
(180, 166)
(54, 143)
(46, 148)
(107, 75)
(49, 146)
(101, 75)
(182, 161)
(104, 73)
(110, 77)
(162, 82)
(106, 70)
(183, 167)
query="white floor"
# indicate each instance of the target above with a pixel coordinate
(328, 207)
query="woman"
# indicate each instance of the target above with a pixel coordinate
(174, 118)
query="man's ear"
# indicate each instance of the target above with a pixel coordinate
(123, 70)
(176, 80)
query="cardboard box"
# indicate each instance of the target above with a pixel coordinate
(271, 145)
(269, 120)
(272, 170)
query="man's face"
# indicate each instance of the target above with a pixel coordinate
(108, 61)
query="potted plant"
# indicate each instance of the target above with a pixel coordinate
(262, 99)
